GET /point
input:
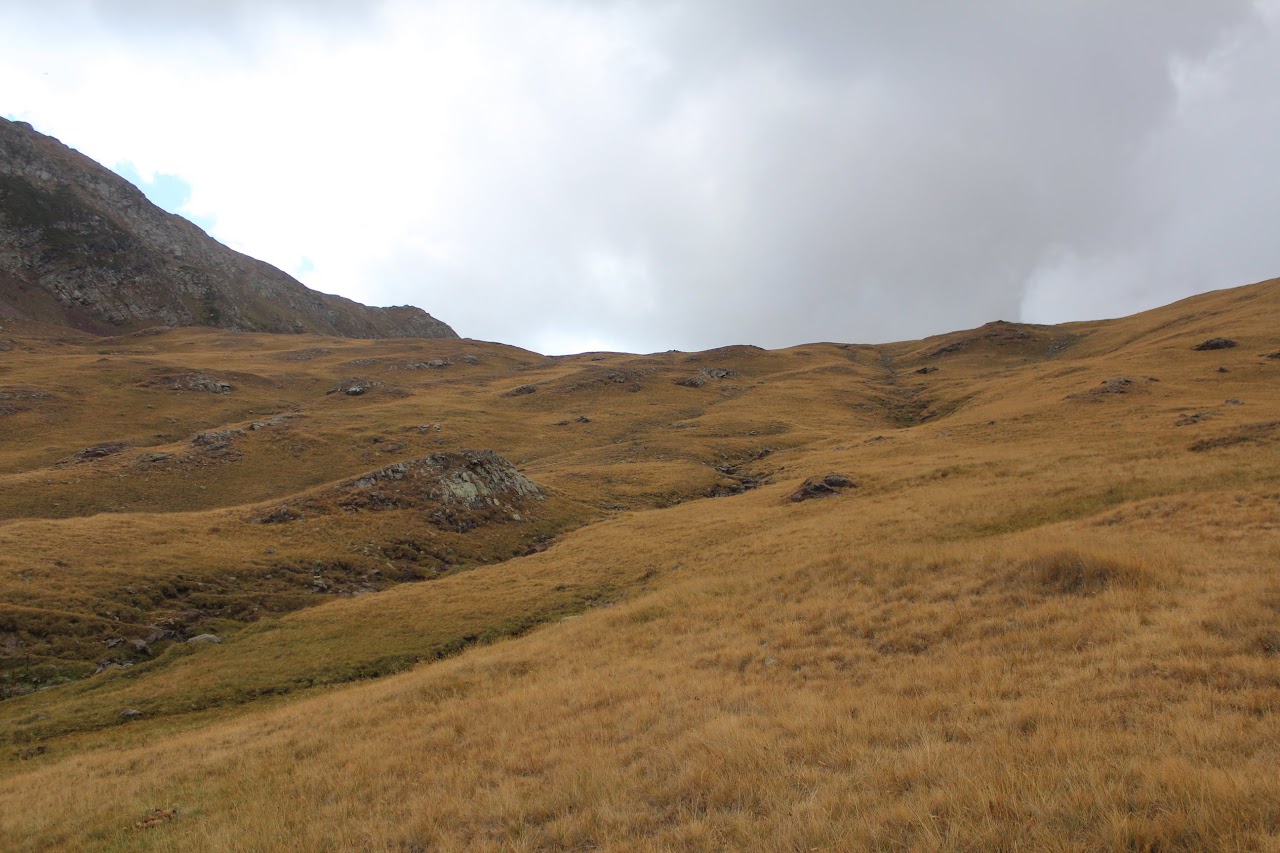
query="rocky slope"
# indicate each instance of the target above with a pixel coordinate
(81, 246)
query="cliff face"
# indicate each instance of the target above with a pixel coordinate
(81, 246)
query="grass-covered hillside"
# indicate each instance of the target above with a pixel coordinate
(1014, 588)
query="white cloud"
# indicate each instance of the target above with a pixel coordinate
(554, 173)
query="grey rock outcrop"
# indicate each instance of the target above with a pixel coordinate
(189, 382)
(354, 387)
(471, 479)
(82, 247)
(822, 487)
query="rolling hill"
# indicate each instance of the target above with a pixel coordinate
(1008, 588)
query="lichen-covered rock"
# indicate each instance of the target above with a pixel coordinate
(471, 479)
(455, 492)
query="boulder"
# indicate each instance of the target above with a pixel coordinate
(822, 487)
(705, 375)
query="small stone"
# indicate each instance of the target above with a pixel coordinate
(130, 713)
(205, 638)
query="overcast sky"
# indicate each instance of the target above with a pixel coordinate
(568, 175)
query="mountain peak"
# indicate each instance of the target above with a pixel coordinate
(80, 246)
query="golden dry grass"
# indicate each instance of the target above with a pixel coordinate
(1043, 619)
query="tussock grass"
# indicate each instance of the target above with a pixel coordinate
(1073, 573)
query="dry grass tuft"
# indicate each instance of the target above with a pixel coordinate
(1068, 572)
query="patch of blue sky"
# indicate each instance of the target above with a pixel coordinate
(305, 266)
(168, 192)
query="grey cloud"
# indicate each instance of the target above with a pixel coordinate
(231, 22)
(779, 172)
(867, 172)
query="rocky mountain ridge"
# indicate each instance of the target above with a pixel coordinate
(80, 246)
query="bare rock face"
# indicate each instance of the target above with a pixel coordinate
(82, 247)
